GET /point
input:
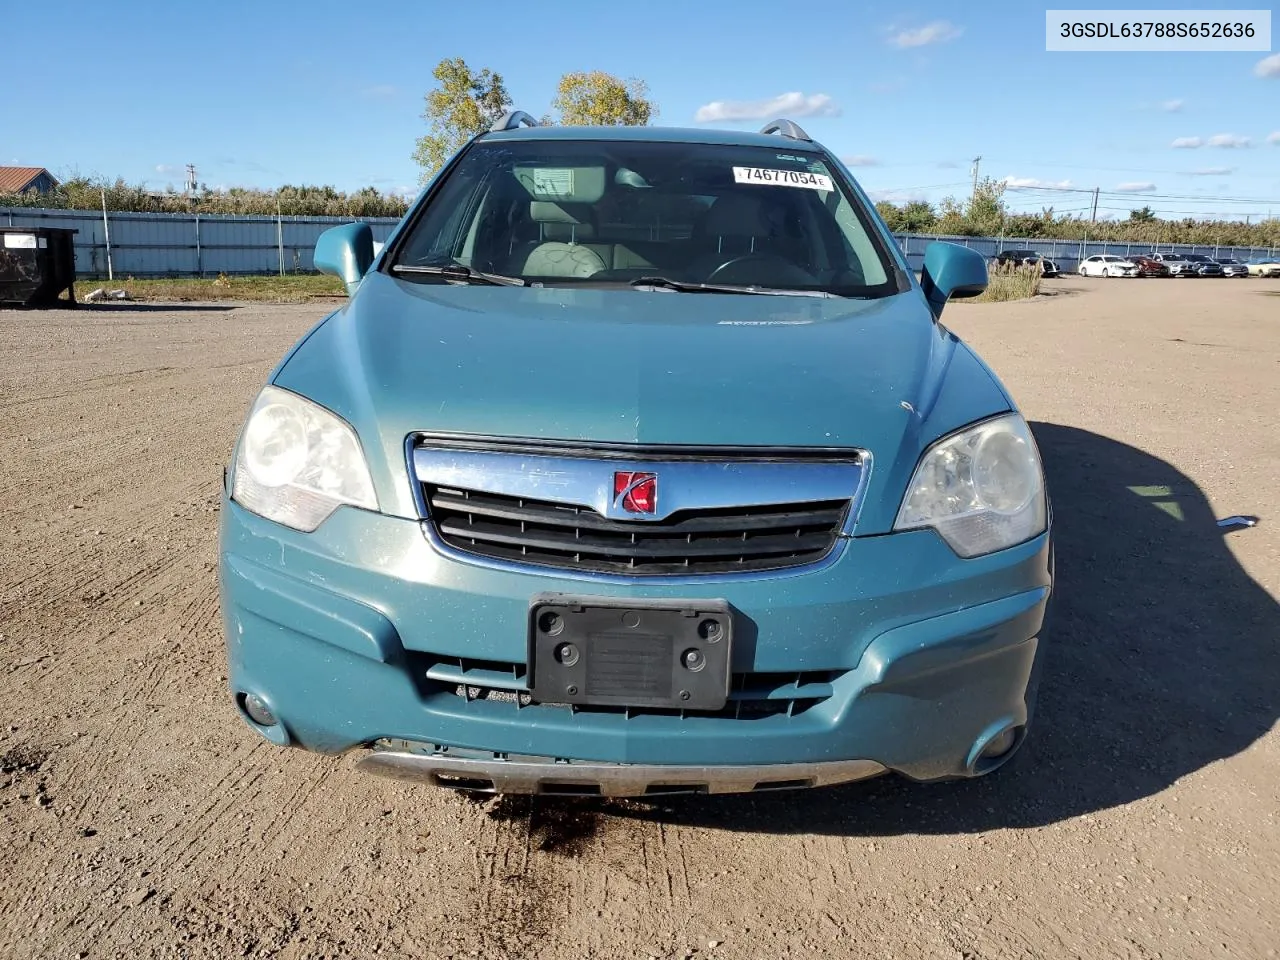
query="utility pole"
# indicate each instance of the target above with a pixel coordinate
(974, 195)
(1093, 215)
(191, 178)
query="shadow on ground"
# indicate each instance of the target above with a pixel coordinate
(122, 306)
(125, 306)
(1163, 658)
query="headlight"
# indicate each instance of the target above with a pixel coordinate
(982, 489)
(297, 462)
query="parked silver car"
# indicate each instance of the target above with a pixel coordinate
(1179, 266)
(1232, 267)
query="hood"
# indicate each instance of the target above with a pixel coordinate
(626, 366)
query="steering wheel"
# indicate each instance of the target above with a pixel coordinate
(747, 270)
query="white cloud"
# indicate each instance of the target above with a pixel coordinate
(896, 196)
(169, 169)
(1211, 172)
(947, 165)
(380, 91)
(1031, 183)
(939, 31)
(1187, 143)
(793, 104)
(1268, 66)
(1136, 186)
(1274, 138)
(859, 160)
(1173, 106)
(1228, 140)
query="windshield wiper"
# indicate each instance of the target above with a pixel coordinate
(460, 274)
(683, 286)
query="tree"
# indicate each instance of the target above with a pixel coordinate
(1145, 215)
(464, 104)
(599, 99)
(918, 216)
(986, 209)
(892, 215)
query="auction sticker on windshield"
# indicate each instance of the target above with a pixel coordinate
(784, 178)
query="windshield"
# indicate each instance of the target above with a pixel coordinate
(609, 213)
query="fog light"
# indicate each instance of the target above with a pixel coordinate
(999, 745)
(257, 710)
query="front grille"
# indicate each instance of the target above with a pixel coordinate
(735, 539)
(752, 695)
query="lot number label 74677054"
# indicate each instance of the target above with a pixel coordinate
(782, 178)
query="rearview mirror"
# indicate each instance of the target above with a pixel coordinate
(951, 271)
(346, 252)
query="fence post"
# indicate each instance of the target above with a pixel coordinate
(106, 232)
(199, 260)
(280, 238)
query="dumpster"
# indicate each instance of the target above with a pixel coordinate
(36, 264)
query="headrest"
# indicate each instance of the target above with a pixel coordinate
(736, 216)
(562, 221)
(544, 211)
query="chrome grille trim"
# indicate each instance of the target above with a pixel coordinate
(580, 480)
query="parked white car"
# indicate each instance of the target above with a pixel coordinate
(1105, 265)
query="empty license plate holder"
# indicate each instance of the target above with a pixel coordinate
(656, 654)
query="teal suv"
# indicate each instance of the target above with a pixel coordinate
(638, 462)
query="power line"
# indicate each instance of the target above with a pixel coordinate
(923, 186)
(1191, 198)
(1225, 214)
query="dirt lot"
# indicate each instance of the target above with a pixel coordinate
(139, 818)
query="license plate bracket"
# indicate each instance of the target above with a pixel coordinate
(657, 654)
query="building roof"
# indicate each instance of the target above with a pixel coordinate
(656, 134)
(13, 179)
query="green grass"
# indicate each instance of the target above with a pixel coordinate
(291, 288)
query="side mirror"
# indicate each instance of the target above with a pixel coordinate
(951, 270)
(346, 252)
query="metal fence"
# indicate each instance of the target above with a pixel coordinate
(1067, 254)
(188, 245)
(185, 245)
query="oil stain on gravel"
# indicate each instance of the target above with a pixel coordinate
(556, 826)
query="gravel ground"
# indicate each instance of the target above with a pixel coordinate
(139, 818)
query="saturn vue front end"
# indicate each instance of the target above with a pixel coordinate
(638, 462)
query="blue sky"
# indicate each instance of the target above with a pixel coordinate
(261, 93)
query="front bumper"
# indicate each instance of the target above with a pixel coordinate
(929, 658)
(547, 775)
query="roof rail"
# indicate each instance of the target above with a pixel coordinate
(788, 128)
(511, 120)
